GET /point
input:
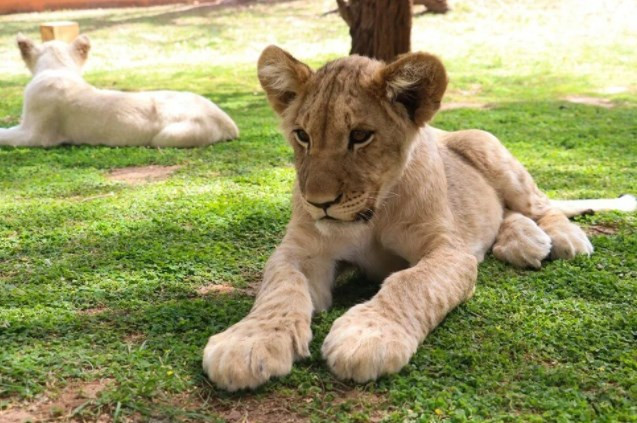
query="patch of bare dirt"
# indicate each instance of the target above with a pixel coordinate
(216, 289)
(465, 105)
(254, 282)
(594, 230)
(252, 289)
(361, 400)
(134, 338)
(55, 406)
(271, 408)
(16, 416)
(92, 311)
(277, 407)
(136, 175)
(613, 90)
(590, 101)
(472, 90)
(253, 279)
(262, 410)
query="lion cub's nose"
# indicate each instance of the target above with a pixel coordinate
(319, 202)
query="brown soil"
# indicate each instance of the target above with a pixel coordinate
(273, 409)
(134, 338)
(142, 174)
(594, 230)
(215, 289)
(464, 105)
(279, 408)
(590, 101)
(55, 406)
(92, 311)
(613, 90)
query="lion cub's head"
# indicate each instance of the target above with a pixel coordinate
(351, 124)
(54, 54)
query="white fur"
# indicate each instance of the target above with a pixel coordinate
(61, 107)
(625, 203)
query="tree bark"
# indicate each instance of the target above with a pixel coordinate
(380, 29)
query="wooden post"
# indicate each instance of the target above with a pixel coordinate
(379, 28)
(63, 30)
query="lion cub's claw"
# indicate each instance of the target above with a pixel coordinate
(363, 345)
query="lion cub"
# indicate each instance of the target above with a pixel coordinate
(410, 205)
(61, 107)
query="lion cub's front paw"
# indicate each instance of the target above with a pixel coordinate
(363, 345)
(521, 242)
(567, 238)
(252, 351)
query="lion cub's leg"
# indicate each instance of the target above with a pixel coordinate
(178, 134)
(277, 330)
(521, 242)
(16, 137)
(517, 189)
(379, 336)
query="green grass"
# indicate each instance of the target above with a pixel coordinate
(99, 280)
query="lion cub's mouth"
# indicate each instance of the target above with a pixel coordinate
(363, 216)
(331, 218)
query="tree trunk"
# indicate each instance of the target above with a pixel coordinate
(380, 29)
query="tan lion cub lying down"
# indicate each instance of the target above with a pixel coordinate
(411, 205)
(61, 107)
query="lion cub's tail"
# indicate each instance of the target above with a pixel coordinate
(625, 203)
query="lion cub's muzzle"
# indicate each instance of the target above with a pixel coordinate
(342, 208)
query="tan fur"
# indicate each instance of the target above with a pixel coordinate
(413, 206)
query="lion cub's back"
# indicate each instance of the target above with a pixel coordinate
(179, 106)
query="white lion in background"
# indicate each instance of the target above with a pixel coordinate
(60, 107)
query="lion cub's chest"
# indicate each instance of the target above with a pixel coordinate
(363, 250)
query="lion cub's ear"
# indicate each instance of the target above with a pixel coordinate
(417, 81)
(81, 46)
(281, 76)
(27, 48)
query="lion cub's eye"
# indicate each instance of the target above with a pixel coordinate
(302, 137)
(360, 137)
